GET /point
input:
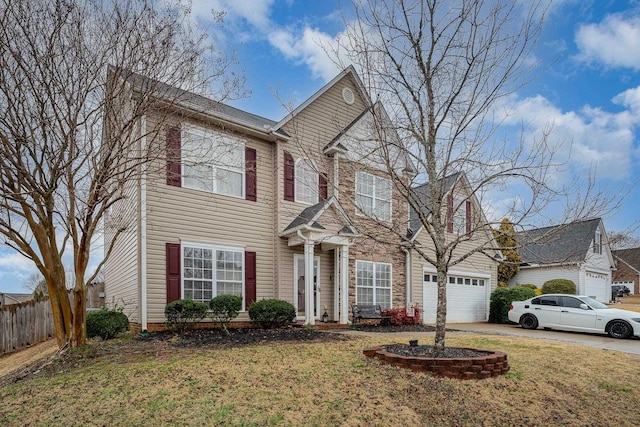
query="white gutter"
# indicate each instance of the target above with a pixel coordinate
(143, 230)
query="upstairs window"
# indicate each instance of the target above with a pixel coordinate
(212, 162)
(597, 243)
(373, 196)
(458, 215)
(306, 179)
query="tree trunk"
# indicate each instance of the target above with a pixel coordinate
(441, 312)
(79, 331)
(60, 309)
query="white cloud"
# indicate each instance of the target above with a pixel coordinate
(311, 47)
(255, 12)
(586, 138)
(615, 42)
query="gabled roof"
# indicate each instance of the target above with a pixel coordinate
(349, 71)
(201, 104)
(631, 257)
(420, 197)
(559, 244)
(308, 218)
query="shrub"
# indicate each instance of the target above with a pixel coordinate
(501, 300)
(183, 313)
(272, 313)
(225, 308)
(106, 324)
(559, 286)
(399, 316)
(502, 284)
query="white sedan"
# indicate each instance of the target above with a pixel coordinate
(574, 313)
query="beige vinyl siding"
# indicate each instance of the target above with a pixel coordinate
(311, 130)
(177, 214)
(478, 262)
(122, 269)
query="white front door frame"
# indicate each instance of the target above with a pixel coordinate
(308, 286)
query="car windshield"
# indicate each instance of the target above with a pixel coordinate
(593, 303)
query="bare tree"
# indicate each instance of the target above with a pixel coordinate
(67, 66)
(623, 239)
(442, 70)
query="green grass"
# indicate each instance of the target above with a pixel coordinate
(132, 383)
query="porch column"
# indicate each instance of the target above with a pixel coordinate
(344, 284)
(309, 312)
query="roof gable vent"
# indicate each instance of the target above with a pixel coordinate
(348, 96)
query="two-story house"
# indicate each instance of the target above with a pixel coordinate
(302, 210)
(261, 209)
(578, 251)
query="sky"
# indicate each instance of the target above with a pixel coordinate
(590, 89)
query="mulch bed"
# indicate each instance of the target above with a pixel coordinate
(392, 328)
(241, 337)
(428, 351)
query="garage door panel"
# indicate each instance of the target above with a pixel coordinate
(465, 303)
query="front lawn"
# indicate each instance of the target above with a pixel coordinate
(132, 382)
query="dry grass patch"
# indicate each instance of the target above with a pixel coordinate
(328, 383)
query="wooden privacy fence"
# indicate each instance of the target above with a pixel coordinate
(25, 324)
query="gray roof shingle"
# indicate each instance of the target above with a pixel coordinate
(631, 256)
(420, 196)
(567, 243)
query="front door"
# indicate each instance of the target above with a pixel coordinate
(298, 285)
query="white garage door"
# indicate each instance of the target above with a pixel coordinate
(597, 285)
(467, 298)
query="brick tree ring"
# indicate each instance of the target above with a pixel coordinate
(476, 365)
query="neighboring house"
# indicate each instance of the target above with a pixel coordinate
(13, 298)
(469, 283)
(262, 209)
(627, 268)
(578, 251)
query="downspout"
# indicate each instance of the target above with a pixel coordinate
(143, 230)
(407, 275)
(336, 180)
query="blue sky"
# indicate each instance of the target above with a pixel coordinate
(591, 90)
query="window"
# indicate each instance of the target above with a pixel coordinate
(212, 162)
(210, 271)
(373, 283)
(571, 302)
(597, 243)
(373, 196)
(306, 178)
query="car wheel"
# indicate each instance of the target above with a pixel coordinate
(529, 321)
(619, 329)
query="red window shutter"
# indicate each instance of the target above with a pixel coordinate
(249, 278)
(174, 170)
(289, 177)
(251, 178)
(468, 216)
(323, 190)
(173, 272)
(450, 213)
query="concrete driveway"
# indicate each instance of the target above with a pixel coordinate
(630, 345)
